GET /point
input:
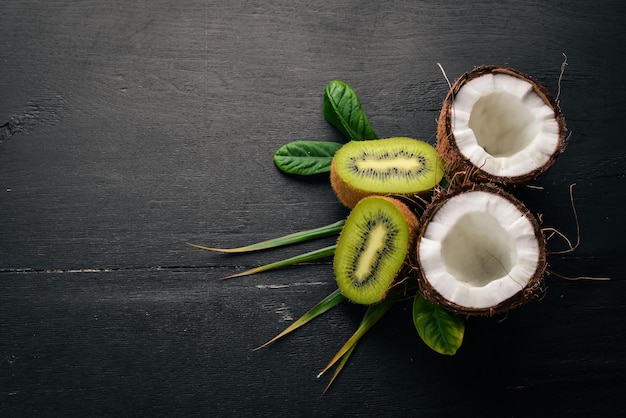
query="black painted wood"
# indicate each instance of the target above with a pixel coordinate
(131, 127)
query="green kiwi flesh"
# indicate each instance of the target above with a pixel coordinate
(372, 248)
(386, 166)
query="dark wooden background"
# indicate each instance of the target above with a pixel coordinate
(131, 127)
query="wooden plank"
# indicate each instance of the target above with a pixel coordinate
(130, 128)
(141, 343)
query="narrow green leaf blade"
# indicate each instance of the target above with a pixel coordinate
(306, 158)
(301, 258)
(327, 303)
(441, 330)
(372, 315)
(339, 368)
(307, 235)
(343, 110)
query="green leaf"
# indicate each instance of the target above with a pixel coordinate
(310, 256)
(371, 317)
(441, 330)
(305, 158)
(342, 109)
(309, 234)
(339, 368)
(327, 303)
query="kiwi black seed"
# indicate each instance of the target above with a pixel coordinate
(386, 166)
(373, 248)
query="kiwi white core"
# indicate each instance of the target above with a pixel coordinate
(375, 244)
(401, 163)
(502, 126)
(478, 250)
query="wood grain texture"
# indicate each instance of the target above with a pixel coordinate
(128, 128)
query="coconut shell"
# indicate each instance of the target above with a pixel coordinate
(531, 291)
(456, 162)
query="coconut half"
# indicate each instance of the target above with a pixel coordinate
(480, 251)
(499, 125)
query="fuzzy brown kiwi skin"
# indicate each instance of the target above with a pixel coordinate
(347, 195)
(533, 290)
(413, 224)
(409, 216)
(449, 152)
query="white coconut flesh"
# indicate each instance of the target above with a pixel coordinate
(502, 126)
(478, 250)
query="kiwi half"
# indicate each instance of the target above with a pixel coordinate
(373, 247)
(386, 166)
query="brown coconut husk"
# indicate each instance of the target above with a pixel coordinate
(533, 290)
(448, 150)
